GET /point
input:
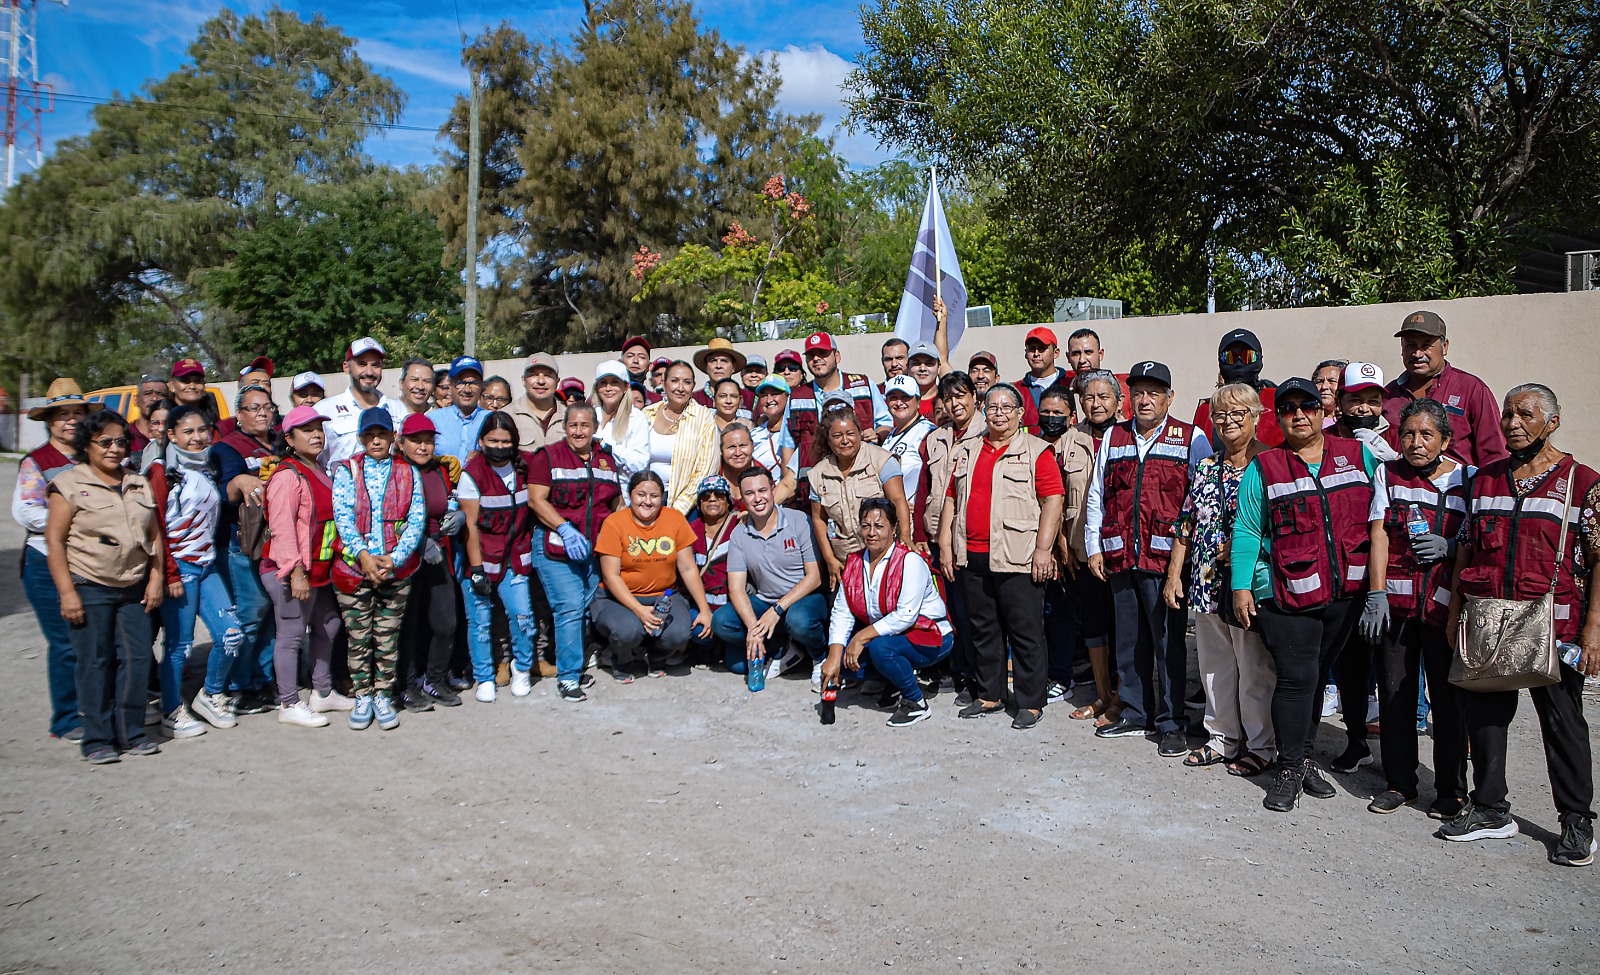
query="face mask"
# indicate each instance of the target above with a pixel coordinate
(1101, 428)
(1248, 373)
(1426, 470)
(1054, 426)
(1361, 422)
(1522, 456)
(499, 456)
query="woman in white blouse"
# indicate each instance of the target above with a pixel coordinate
(887, 612)
(622, 428)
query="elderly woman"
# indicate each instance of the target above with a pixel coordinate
(1511, 548)
(844, 472)
(683, 438)
(105, 556)
(622, 427)
(496, 393)
(1100, 394)
(1235, 667)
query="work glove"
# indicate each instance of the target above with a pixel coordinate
(480, 582)
(1377, 446)
(452, 523)
(1432, 548)
(1374, 617)
(431, 552)
(576, 545)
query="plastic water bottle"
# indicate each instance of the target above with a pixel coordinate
(663, 611)
(1416, 524)
(1571, 653)
(755, 673)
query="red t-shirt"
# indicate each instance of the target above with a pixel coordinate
(1046, 483)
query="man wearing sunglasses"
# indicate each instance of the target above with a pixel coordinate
(1475, 434)
(1239, 360)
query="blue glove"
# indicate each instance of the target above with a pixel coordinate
(577, 546)
(1374, 617)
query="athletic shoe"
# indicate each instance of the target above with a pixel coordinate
(1173, 744)
(331, 701)
(1389, 801)
(593, 662)
(964, 695)
(258, 701)
(152, 713)
(872, 687)
(1285, 789)
(521, 683)
(909, 713)
(1057, 691)
(445, 696)
(412, 697)
(586, 681)
(816, 677)
(145, 747)
(1314, 784)
(300, 715)
(1478, 823)
(73, 735)
(102, 755)
(1373, 710)
(216, 709)
(1355, 756)
(978, 709)
(792, 658)
(182, 723)
(485, 692)
(1577, 846)
(361, 714)
(1026, 718)
(1445, 809)
(571, 691)
(1120, 728)
(1330, 700)
(383, 710)
(458, 683)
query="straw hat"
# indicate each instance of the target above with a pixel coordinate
(719, 345)
(62, 392)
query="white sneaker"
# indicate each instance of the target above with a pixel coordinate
(152, 713)
(521, 683)
(332, 701)
(182, 723)
(485, 692)
(791, 659)
(816, 677)
(300, 715)
(1330, 700)
(216, 709)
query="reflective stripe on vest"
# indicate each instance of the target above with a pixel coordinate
(1318, 525)
(503, 523)
(1410, 583)
(1142, 498)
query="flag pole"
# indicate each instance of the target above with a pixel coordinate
(938, 287)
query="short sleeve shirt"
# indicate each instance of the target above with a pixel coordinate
(649, 555)
(775, 564)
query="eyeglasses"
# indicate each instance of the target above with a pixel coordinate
(1307, 407)
(106, 443)
(258, 408)
(1229, 416)
(1240, 357)
(468, 382)
(1003, 408)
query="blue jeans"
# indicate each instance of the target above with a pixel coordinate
(897, 659)
(254, 664)
(513, 590)
(113, 671)
(806, 623)
(61, 659)
(1060, 630)
(570, 587)
(204, 595)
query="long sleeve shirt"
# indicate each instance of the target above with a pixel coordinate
(918, 597)
(1250, 555)
(29, 504)
(291, 518)
(1094, 503)
(375, 474)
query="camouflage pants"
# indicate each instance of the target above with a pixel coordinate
(372, 617)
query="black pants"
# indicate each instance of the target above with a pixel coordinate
(544, 621)
(1303, 645)
(428, 633)
(113, 649)
(963, 660)
(1092, 600)
(1006, 608)
(1566, 743)
(1353, 676)
(1152, 657)
(1409, 649)
(1061, 629)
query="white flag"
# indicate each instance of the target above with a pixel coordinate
(933, 259)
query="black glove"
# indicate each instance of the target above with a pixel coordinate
(1374, 617)
(480, 582)
(1432, 548)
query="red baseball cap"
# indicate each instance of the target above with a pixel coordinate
(570, 385)
(787, 355)
(416, 423)
(820, 342)
(661, 362)
(634, 340)
(1042, 334)
(187, 367)
(260, 362)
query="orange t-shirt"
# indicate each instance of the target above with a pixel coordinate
(649, 555)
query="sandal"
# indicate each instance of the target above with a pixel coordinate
(1203, 756)
(1090, 710)
(1247, 765)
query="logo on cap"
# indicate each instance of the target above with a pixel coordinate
(1416, 319)
(1147, 366)
(1368, 370)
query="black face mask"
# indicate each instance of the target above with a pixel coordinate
(1522, 456)
(1361, 422)
(1248, 373)
(1101, 428)
(499, 456)
(1054, 426)
(1426, 470)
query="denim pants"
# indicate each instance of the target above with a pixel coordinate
(897, 660)
(806, 623)
(570, 586)
(1152, 656)
(113, 668)
(61, 659)
(513, 591)
(253, 666)
(204, 597)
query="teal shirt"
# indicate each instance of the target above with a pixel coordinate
(1250, 559)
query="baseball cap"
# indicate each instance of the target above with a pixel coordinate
(570, 386)
(634, 340)
(903, 384)
(362, 346)
(375, 417)
(416, 423)
(755, 361)
(716, 482)
(774, 382)
(660, 362)
(260, 362)
(787, 355)
(1425, 322)
(1239, 336)
(187, 367)
(304, 379)
(465, 363)
(1041, 334)
(1360, 375)
(981, 356)
(302, 416)
(820, 342)
(1297, 386)
(541, 360)
(925, 349)
(614, 369)
(836, 398)
(1154, 372)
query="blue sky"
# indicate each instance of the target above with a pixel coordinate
(105, 47)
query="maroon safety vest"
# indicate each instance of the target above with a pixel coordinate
(502, 522)
(249, 448)
(1417, 591)
(323, 532)
(436, 488)
(805, 412)
(391, 512)
(1513, 539)
(581, 491)
(1141, 498)
(1320, 543)
(924, 632)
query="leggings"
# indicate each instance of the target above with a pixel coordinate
(294, 618)
(1303, 645)
(428, 634)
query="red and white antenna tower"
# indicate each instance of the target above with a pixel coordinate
(26, 98)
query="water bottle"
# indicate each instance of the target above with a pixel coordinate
(663, 611)
(1571, 653)
(1416, 524)
(755, 673)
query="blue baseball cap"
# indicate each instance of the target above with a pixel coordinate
(465, 363)
(375, 417)
(774, 382)
(715, 482)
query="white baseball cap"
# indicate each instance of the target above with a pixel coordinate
(364, 345)
(304, 379)
(903, 384)
(614, 369)
(1361, 375)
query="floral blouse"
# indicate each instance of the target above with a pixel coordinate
(1206, 523)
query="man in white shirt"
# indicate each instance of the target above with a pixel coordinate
(363, 363)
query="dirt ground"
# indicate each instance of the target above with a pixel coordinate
(685, 825)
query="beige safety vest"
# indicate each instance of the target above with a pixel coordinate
(1014, 507)
(109, 541)
(941, 445)
(1075, 450)
(841, 494)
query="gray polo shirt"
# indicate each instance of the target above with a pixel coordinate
(777, 563)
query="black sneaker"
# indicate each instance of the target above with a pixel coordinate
(1026, 718)
(1057, 691)
(1120, 728)
(964, 695)
(1388, 802)
(1355, 756)
(889, 698)
(1445, 808)
(413, 698)
(1478, 823)
(1287, 784)
(1173, 744)
(572, 691)
(1314, 784)
(258, 701)
(460, 683)
(1577, 846)
(909, 713)
(586, 680)
(445, 696)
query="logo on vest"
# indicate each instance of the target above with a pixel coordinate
(1341, 462)
(1454, 401)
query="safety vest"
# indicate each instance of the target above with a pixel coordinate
(392, 512)
(503, 535)
(1417, 591)
(1014, 505)
(1141, 498)
(805, 412)
(1513, 539)
(1320, 543)
(436, 489)
(711, 555)
(938, 459)
(924, 632)
(248, 448)
(841, 494)
(581, 490)
(324, 536)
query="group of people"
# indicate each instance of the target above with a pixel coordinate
(364, 555)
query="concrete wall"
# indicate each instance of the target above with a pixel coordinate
(1505, 340)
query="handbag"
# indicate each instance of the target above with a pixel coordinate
(1510, 644)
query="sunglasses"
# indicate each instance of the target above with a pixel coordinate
(106, 443)
(1240, 357)
(1302, 406)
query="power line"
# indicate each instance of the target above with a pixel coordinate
(206, 111)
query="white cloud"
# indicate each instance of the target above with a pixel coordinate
(813, 77)
(429, 65)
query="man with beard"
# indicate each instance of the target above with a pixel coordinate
(363, 363)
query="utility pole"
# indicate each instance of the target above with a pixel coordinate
(474, 158)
